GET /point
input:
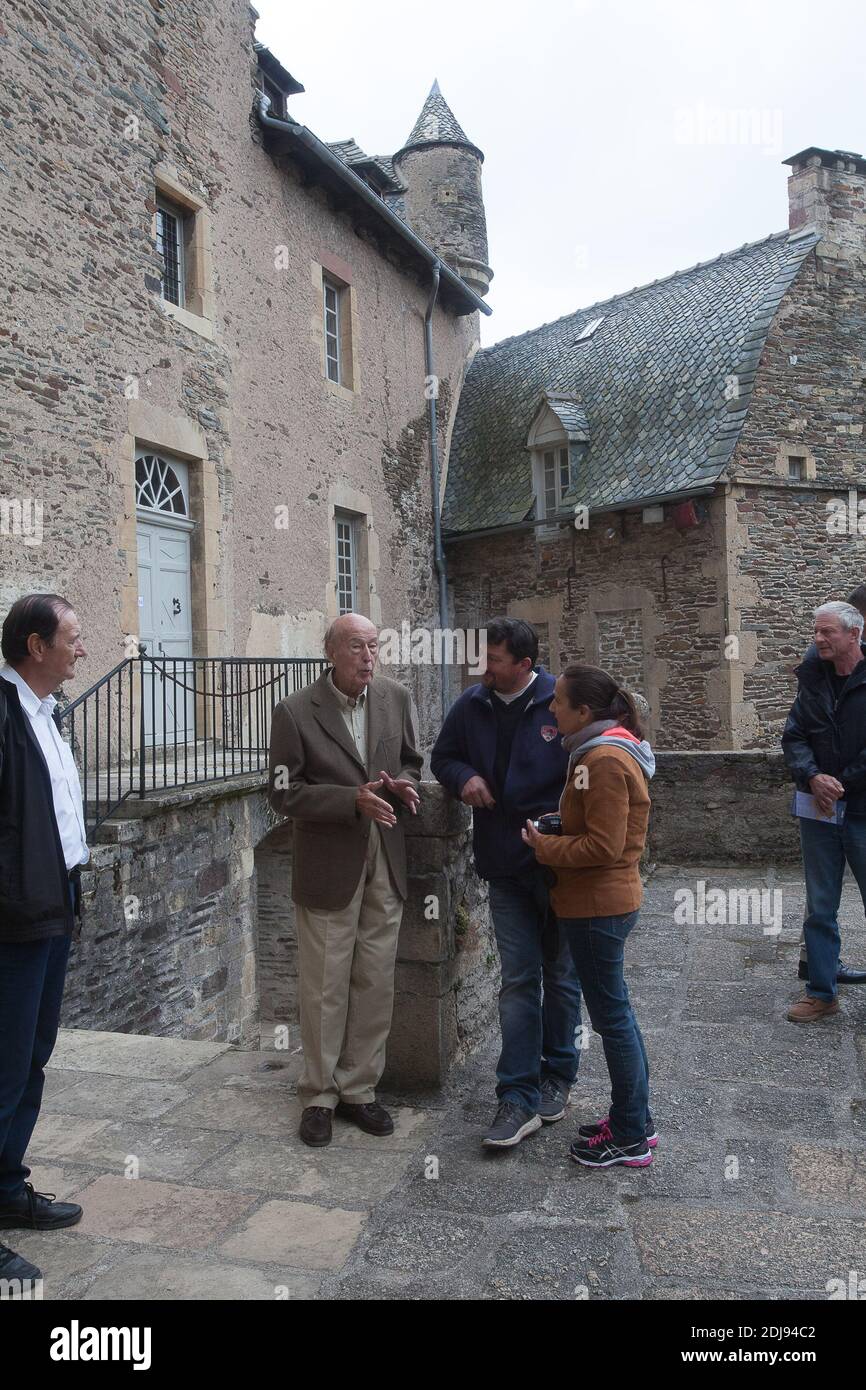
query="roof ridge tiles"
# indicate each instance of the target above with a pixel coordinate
(636, 289)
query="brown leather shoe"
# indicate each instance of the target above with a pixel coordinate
(315, 1128)
(809, 1009)
(372, 1117)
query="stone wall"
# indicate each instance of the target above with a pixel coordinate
(721, 808)
(647, 600)
(168, 944)
(447, 967)
(189, 930)
(807, 403)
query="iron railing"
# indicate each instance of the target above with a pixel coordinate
(159, 722)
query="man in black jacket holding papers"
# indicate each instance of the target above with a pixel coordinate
(824, 743)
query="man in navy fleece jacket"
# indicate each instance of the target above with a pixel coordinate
(500, 752)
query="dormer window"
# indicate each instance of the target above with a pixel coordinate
(556, 477)
(277, 107)
(275, 82)
(557, 441)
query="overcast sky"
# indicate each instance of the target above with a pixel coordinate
(623, 139)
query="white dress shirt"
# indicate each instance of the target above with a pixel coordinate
(65, 786)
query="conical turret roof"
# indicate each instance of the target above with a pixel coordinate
(437, 125)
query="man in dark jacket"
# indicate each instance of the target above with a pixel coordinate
(42, 845)
(845, 974)
(824, 743)
(500, 751)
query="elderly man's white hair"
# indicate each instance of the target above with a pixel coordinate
(850, 617)
(335, 627)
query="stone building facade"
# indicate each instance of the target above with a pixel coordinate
(215, 416)
(709, 432)
(191, 447)
(215, 413)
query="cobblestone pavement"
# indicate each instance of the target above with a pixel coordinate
(758, 1188)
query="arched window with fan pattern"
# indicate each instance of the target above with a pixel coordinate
(158, 487)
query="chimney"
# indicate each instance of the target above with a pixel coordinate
(827, 191)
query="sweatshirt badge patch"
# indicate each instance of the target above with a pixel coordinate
(549, 732)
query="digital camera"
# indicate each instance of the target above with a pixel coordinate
(551, 824)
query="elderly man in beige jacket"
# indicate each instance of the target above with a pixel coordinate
(345, 766)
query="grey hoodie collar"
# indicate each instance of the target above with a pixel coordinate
(594, 736)
(598, 726)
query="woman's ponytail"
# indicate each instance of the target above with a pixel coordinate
(595, 688)
(623, 708)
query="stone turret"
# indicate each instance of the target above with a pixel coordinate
(443, 202)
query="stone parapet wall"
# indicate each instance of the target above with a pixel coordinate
(168, 944)
(189, 930)
(721, 808)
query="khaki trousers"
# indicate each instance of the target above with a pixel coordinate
(346, 987)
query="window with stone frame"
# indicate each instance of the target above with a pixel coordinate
(332, 295)
(796, 468)
(337, 318)
(182, 236)
(170, 243)
(346, 547)
(555, 479)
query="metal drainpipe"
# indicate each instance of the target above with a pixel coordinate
(438, 552)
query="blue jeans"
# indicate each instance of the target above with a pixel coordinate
(538, 1034)
(598, 945)
(826, 849)
(32, 976)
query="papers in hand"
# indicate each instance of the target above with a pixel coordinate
(804, 805)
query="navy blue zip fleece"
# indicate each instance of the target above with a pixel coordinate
(466, 747)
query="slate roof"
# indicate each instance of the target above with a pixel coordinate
(351, 154)
(437, 124)
(275, 70)
(651, 379)
(569, 412)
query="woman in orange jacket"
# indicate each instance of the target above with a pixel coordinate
(604, 811)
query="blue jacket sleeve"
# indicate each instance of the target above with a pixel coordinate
(448, 759)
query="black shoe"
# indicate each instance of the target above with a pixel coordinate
(602, 1151)
(38, 1211)
(14, 1266)
(512, 1124)
(372, 1117)
(589, 1131)
(554, 1099)
(845, 975)
(315, 1128)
